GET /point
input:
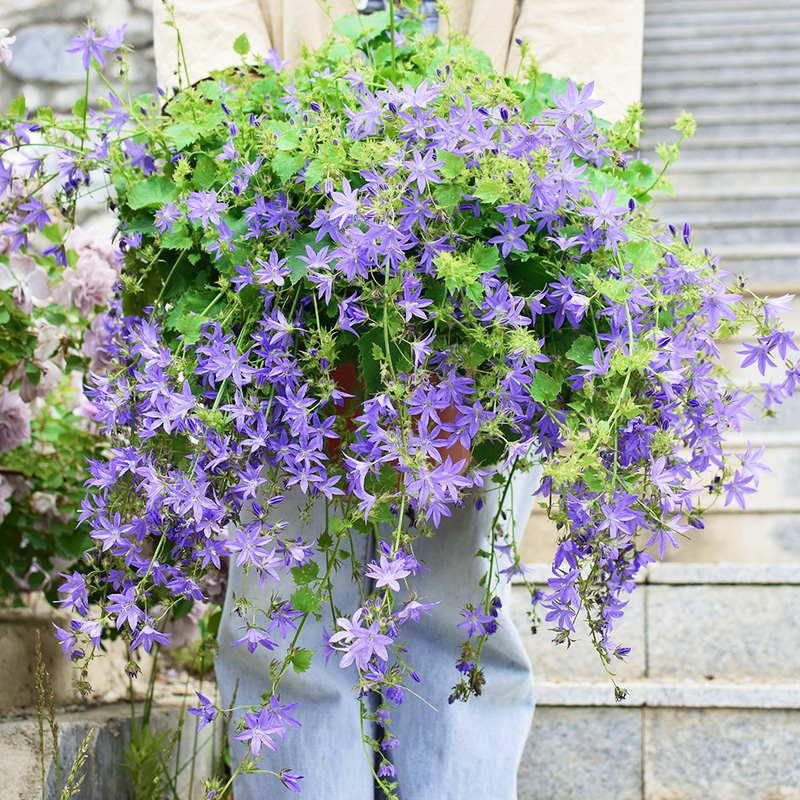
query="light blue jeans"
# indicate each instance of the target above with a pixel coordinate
(464, 750)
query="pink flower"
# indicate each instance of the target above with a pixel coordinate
(51, 376)
(97, 344)
(5, 49)
(6, 490)
(15, 420)
(88, 285)
(27, 279)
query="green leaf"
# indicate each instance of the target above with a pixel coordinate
(152, 193)
(286, 164)
(453, 165)
(356, 27)
(305, 574)
(79, 108)
(205, 173)
(177, 240)
(241, 45)
(313, 174)
(447, 195)
(4, 317)
(486, 258)
(543, 388)
(189, 325)
(301, 660)
(298, 248)
(18, 107)
(304, 599)
(596, 481)
(490, 189)
(582, 350)
(288, 141)
(45, 114)
(182, 134)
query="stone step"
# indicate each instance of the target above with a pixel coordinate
(658, 124)
(683, 6)
(20, 771)
(682, 76)
(733, 213)
(679, 626)
(743, 165)
(692, 97)
(721, 28)
(715, 236)
(741, 537)
(754, 136)
(713, 703)
(731, 186)
(720, 15)
(752, 41)
(701, 60)
(661, 753)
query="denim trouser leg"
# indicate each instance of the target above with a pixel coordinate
(327, 749)
(465, 750)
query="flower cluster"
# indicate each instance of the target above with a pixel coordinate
(389, 282)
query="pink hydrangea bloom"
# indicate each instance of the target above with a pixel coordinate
(15, 420)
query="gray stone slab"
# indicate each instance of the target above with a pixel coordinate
(576, 754)
(725, 573)
(742, 537)
(581, 661)
(39, 55)
(718, 754)
(20, 771)
(723, 632)
(685, 74)
(722, 44)
(666, 693)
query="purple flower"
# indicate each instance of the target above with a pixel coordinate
(272, 271)
(259, 730)
(167, 216)
(422, 169)
(361, 643)
(275, 61)
(206, 712)
(75, 587)
(510, 237)
(389, 573)
(89, 46)
(474, 620)
(253, 638)
(290, 780)
(147, 636)
(203, 207)
(574, 103)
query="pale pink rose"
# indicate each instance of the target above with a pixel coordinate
(28, 280)
(43, 503)
(50, 378)
(48, 338)
(6, 490)
(5, 46)
(15, 420)
(95, 282)
(96, 239)
(97, 344)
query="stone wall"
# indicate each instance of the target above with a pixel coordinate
(46, 74)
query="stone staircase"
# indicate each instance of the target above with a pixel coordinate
(713, 706)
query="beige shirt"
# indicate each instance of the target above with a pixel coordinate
(585, 40)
